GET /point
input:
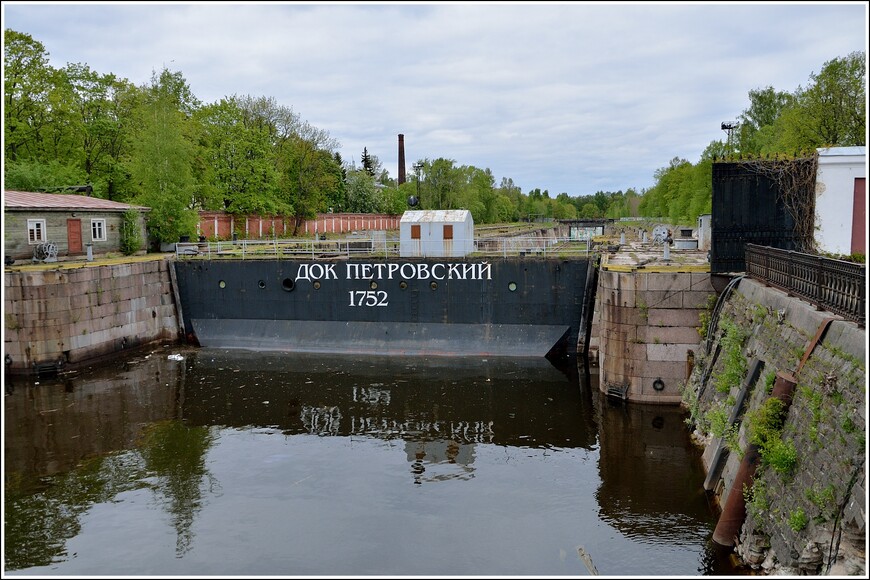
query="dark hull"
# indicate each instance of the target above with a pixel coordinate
(440, 307)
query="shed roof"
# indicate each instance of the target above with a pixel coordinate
(61, 201)
(831, 151)
(436, 215)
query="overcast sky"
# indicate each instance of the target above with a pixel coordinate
(567, 97)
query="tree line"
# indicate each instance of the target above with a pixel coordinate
(158, 145)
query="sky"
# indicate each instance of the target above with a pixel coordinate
(567, 97)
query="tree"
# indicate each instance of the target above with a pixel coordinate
(832, 111)
(160, 163)
(307, 168)
(361, 192)
(368, 164)
(32, 175)
(238, 148)
(26, 85)
(766, 106)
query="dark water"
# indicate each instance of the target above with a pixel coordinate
(241, 463)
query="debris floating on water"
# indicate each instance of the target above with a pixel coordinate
(175, 357)
(587, 560)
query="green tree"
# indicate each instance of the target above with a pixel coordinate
(369, 164)
(242, 178)
(31, 175)
(307, 167)
(26, 85)
(160, 163)
(832, 111)
(362, 194)
(755, 133)
(96, 114)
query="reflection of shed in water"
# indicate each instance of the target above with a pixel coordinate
(436, 233)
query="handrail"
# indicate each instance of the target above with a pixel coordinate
(833, 285)
(381, 247)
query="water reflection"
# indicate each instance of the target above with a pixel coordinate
(520, 402)
(263, 463)
(646, 466)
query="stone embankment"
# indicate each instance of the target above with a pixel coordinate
(802, 509)
(73, 313)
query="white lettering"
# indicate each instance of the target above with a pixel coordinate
(368, 298)
(454, 273)
(422, 271)
(485, 271)
(302, 272)
(352, 275)
(405, 274)
(434, 275)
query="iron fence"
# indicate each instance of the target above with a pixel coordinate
(832, 285)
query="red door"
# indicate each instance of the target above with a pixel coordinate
(859, 217)
(74, 236)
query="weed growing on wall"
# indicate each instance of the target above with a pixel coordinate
(765, 430)
(735, 365)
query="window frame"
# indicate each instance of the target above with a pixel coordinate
(35, 225)
(415, 231)
(101, 224)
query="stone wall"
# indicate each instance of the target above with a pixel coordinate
(647, 324)
(804, 510)
(66, 316)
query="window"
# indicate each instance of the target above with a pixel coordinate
(98, 230)
(448, 232)
(35, 231)
(415, 231)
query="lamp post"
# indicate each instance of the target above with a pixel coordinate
(417, 168)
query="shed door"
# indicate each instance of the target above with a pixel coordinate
(74, 236)
(859, 217)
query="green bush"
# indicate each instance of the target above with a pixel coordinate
(131, 236)
(765, 430)
(798, 520)
(735, 364)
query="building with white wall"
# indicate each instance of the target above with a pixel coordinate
(436, 233)
(841, 200)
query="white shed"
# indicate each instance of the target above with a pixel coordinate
(436, 233)
(841, 200)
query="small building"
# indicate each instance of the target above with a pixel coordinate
(841, 200)
(704, 231)
(67, 223)
(436, 233)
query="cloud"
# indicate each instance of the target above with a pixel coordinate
(567, 97)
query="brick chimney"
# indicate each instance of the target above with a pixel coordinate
(401, 159)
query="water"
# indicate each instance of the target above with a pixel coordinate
(241, 463)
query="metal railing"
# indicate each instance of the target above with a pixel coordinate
(832, 285)
(383, 248)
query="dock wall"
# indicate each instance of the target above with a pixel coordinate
(804, 510)
(68, 316)
(647, 327)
